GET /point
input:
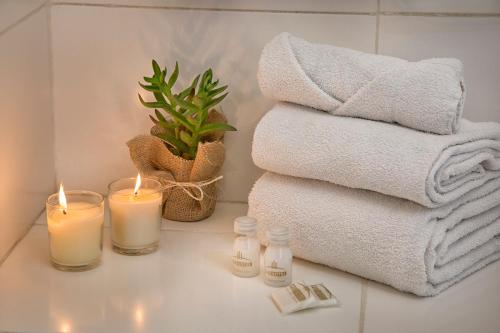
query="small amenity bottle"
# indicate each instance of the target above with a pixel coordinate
(278, 258)
(246, 249)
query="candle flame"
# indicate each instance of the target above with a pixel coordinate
(62, 199)
(137, 184)
(65, 327)
(139, 315)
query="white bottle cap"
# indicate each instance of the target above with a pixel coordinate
(245, 225)
(278, 234)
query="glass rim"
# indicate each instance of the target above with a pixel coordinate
(133, 179)
(73, 192)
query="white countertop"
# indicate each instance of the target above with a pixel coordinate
(187, 286)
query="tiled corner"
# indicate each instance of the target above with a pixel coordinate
(260, 5)
(98, 60)
(26, 138)
(474, 40)
(469, 306)
(441, 6)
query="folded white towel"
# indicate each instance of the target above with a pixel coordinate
(427, 95)
(390, 240)
(426, 168)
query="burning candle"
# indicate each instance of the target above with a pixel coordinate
(75, 222)
(135, 206)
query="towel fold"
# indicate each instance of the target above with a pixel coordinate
(427, 95)
(390, 240)
(429, 169)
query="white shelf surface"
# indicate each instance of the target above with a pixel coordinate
(187, 286)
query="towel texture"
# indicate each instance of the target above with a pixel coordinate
(427, 95)
(429, 169)
(390, 240)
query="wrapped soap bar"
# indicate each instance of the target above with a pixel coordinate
(295, 297)
(299, 296)
(324, 297)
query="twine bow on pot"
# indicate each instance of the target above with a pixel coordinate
(196, 185)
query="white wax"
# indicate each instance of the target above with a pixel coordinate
(76, 237)
(135, 219)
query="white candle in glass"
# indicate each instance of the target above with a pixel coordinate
(135, 215)
(75, 229)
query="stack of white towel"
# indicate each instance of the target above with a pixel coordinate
(389, 183)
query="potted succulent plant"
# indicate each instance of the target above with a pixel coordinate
(185, 150)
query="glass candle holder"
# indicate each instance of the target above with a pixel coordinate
(135, 215)
(75, 232)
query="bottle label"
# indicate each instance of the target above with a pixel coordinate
(242, 264)
(275, 273)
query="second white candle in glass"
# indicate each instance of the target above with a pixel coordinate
(135, 207)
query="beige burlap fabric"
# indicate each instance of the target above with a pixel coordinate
(153, 159)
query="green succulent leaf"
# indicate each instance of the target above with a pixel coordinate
(163, 75)
(152, 88)
(189, 90)
(214, 127)
(187, 110)
(156, 68)
(187, 105)
(160, 116)
(187, 139)
(165, 89)
(203, 117)
(214, 92)
(174, 142)
(214, 101)
(152, 105)
(214, 84)
(173, 77)
(205, 79)
(153, 119)
(180, 118)
(168, 125)
(149, 79)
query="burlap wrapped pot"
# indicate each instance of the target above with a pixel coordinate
(153, 159)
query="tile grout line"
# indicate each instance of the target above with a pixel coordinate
(26, 231)
(377, 27)
(376, 13)
(362, 307)
(23, 18)
(243, 10)
(439, 14)
(52, 93)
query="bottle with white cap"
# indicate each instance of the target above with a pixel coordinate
(278, 258)
(246, 249)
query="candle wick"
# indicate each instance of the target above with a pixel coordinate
(135, 193)
(64, 212)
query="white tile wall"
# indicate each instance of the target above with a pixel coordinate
(98, 60)
(102, 47)
(474, 40)
(26, 127)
